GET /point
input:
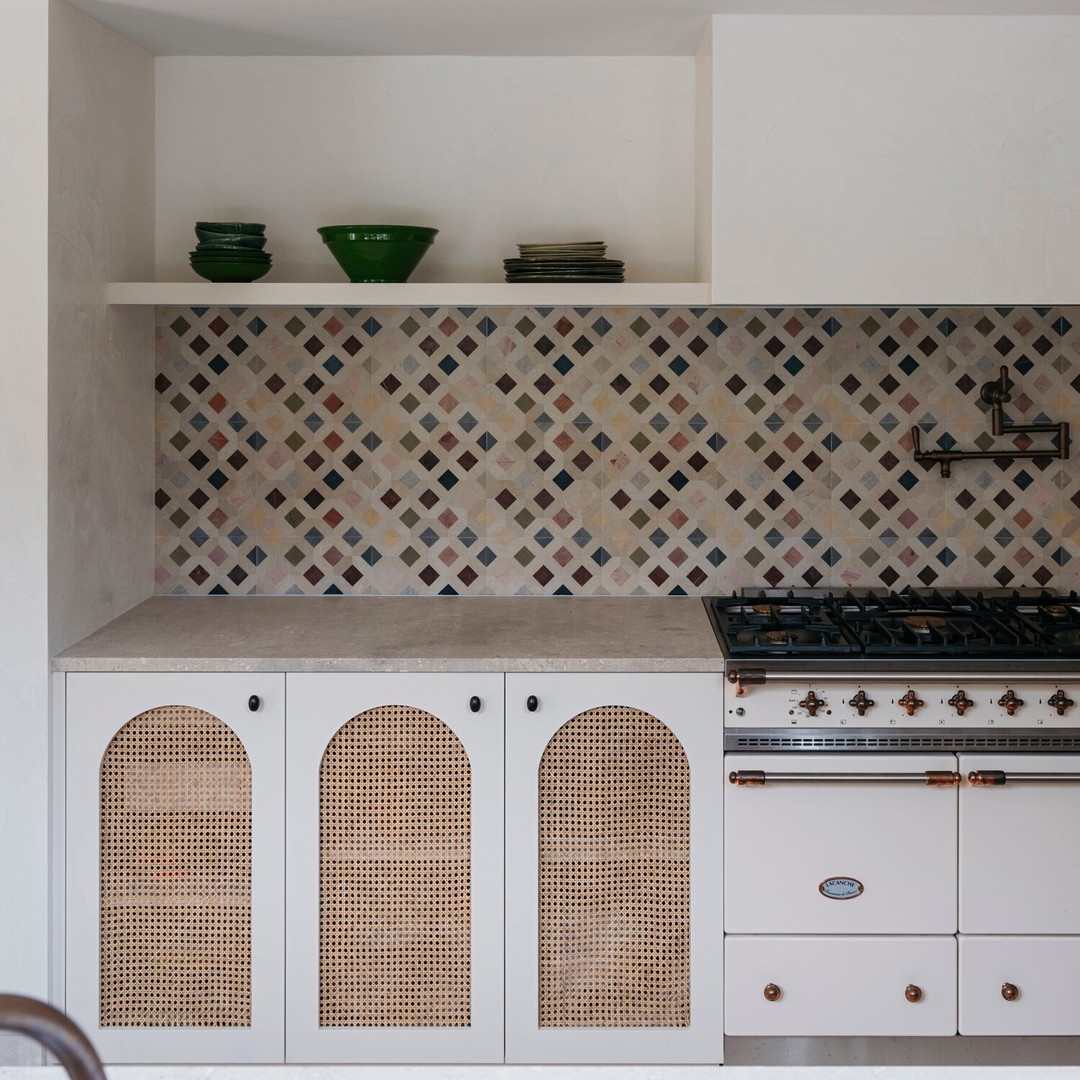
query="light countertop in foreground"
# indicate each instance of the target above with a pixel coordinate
(403, 633)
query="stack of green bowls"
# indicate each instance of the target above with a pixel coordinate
(230, 251)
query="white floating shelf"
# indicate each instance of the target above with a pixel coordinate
(420, 294)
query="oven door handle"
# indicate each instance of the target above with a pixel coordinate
(999, 778)
(758, 778)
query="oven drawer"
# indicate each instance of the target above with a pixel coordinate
(1019, 985)
(849, 986)
(1019, 873)
(847, 844)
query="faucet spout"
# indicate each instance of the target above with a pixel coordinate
(58, 1034)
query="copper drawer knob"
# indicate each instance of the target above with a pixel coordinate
(913, 992)
(1009, 992)
(773, 992)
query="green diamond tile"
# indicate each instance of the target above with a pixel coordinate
(295, 325)
(409, 326)
(641, 326)
(755, 403)
(410, 556)
(754, 518)
(409, 518)
(294, 441)
(409, 441)
(984, 557)
(294, 403)
(754, 557)
(755, 442)
(524, 556)
(180, 326)
(179, 556)
(755, 326)
(294, 556)
(640, 442)
(869, 556)
(870, 326)
(639, 557)
(985, 518)
(179, 403)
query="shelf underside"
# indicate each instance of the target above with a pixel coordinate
(420, 294)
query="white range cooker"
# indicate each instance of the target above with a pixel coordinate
(902, 813)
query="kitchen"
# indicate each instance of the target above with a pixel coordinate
(845, 226)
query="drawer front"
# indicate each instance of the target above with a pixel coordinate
(871, 855)
(1013, 878)
(1019, 985)
(850, 986)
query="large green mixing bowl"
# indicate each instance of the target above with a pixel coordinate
(369, 253)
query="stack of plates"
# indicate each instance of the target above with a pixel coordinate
(581, 260)
(230, 251)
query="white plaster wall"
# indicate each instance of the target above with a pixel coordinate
(24, 652)
(490, 150)
(703, 153)
(897, 160)
(101, 361)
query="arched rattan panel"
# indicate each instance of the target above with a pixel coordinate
(175, 873)
(394, 868)
(614, 873)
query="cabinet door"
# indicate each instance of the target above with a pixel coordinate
(1019, 985)
(175, 870)
(614, 921)
(853, 985)
(394, 839)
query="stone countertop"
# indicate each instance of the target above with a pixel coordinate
(402, 633)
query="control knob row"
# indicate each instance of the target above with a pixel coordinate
(911, 701)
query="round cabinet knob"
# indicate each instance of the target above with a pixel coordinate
(474, 704)
(913, 993)
(1010, 702)
(961, 702)
(532, 703)
(1009, 992)
(811, 703)
(910, 702)
(254, 703)
(772, 992)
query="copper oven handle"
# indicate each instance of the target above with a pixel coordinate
(758, 777)
(998, 778)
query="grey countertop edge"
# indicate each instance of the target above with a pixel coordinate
(388, 664)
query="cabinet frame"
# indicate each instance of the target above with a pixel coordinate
(319, 704)
(98, 706)
(690, 705)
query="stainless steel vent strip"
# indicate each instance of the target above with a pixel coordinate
(850, 739)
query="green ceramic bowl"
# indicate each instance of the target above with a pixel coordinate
(247, 228)
(371, 253)
(230, 256)
(213, 240)
(236, 270)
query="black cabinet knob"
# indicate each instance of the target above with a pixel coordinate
(474, 703)
(254, 703)
(531, 703)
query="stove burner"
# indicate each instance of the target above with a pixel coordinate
(908, 623)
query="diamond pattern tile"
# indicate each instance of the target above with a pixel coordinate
(610, 451)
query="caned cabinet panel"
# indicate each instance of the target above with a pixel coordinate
(175, 865)
(613, 903)
(395, 868)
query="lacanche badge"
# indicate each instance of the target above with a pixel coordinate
(841, 888)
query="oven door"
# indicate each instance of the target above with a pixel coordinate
(840, 843)
(1019, 873)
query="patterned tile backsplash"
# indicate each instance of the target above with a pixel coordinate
(613, 451)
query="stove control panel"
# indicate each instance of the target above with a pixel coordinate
(830, 701)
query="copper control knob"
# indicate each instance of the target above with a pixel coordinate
(1010, 992)
(961, 702)
(811, 703)
(860, 703)
(911, 701)
(913, 993)
(1010, 702)
(772, 992)
(1059, 701)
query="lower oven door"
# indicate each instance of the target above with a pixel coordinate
(840, 843)
(1019, 868)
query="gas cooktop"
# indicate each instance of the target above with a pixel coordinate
(909, 624)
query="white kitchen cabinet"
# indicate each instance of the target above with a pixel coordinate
(614, 924)
(175, 865)
(395, 845)
(852, 985)
(1019, 985)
